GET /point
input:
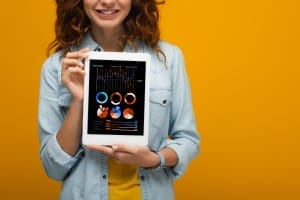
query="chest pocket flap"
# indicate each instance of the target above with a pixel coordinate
(160, 100)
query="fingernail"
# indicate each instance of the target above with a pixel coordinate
(114, 147)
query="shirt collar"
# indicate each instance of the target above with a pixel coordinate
(89, 42)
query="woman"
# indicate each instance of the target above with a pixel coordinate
(121, 171)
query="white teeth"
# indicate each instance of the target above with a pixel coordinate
(108, 12)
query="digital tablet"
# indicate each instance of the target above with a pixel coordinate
(116, 98)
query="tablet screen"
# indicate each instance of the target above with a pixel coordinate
(116, 97)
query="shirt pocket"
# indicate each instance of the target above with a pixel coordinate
(160, 100)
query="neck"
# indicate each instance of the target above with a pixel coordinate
(107, 39)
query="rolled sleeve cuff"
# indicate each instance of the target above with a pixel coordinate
(57, 162)
(183, 158)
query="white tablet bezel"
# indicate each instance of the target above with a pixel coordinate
(110, 139)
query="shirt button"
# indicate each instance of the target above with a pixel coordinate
(104, 176)
(164, 101)
(142, 177)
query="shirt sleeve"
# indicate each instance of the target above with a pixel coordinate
(184, 138)
(56, 162)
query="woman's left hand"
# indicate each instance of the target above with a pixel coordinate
(140, 156)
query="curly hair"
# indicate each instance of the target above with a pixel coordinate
(72, 23)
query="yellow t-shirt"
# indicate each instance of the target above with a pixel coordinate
(123, 182)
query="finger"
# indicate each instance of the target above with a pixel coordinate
(114, 147)
(122, 157)
(103, 149)
(125, 148)
(81, 54)
(72, 70)
(84, 50)
(71, 63)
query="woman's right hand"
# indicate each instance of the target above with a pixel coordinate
(72, 75)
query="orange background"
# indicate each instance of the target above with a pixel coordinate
(243, 62)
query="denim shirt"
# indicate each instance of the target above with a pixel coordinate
(172, 124)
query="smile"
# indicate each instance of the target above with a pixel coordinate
(108, 11)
